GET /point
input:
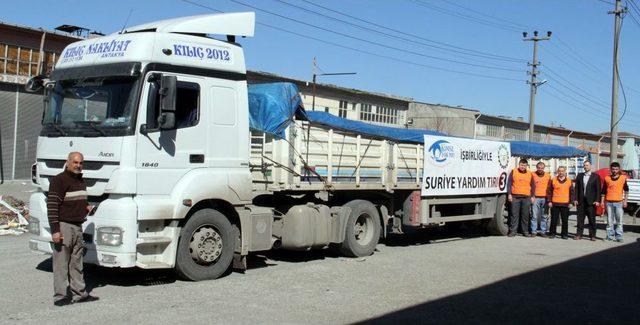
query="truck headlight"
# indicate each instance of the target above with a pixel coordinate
(109, 236)
(34, 226)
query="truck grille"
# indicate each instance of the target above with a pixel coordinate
(87, 165)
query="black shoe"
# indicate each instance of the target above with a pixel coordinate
(87, 298)
(565, 237)
(63, 302)
(551, 236)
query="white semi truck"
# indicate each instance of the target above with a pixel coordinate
(160, 112)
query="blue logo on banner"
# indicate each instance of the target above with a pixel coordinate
(440, 151)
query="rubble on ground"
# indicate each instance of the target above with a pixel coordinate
(14, 216)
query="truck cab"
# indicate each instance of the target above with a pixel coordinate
(139, 105)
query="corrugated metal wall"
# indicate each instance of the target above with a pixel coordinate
(29, 116)
(7, 117)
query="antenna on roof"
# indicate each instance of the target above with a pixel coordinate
(126, 21)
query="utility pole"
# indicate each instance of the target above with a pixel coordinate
(613, 146)
(534, 74)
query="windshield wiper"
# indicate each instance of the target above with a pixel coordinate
(59, 129)
(92, 125)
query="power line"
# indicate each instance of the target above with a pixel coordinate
(634, 8)
(573, 86)
(624, 95)
(571, 66)
(480, 53)
(466, 17)
(566, 49)
(373, 42)
(518, 25)
(580, 99)
(607, 2)
(395, 59)
(394, 37)
(583, 106)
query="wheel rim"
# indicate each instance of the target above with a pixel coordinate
(363, 229)
(205, 245)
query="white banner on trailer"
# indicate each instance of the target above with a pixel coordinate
(458, 166)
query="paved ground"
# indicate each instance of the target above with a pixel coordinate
(429, 277)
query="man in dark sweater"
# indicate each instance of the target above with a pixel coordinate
(67, 209)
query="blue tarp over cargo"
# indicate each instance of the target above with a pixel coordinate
(272, 107)
(544, 150)
(386, 132)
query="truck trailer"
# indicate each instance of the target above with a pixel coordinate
(186, 173)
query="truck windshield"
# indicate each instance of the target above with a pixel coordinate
(90, 107)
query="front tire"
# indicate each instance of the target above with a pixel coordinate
(363, 229)
(205, 247)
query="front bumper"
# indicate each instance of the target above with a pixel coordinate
(119, 211)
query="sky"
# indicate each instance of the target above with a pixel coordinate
(454, 52)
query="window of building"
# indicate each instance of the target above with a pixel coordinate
(342, 110)
(492, 131)
(515, 134)
(23, 61)
(365, 112)
(379, 114)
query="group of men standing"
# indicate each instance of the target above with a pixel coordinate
(530, 193)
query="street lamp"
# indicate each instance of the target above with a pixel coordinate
(315, 75)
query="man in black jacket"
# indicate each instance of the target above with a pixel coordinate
(588, 198)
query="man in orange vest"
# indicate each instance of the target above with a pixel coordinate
(521, 194)
(541, 180)
(615, 194)
(560, 195)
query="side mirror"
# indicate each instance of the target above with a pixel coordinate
(34, 84)
(161, 115)
(167, 120)
(168, 87)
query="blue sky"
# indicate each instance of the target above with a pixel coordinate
(390, 45)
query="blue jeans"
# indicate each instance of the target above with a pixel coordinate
(614, 219)
(538, 214)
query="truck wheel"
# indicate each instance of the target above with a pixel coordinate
(363, 229)
(206, 246)
(498, 225)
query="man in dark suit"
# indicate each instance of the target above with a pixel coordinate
(587, 195)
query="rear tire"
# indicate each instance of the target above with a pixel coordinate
(363, 229)
(205, 247)
(498, 225)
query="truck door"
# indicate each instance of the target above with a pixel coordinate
(163, 157)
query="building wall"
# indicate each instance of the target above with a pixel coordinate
(21, 112)
(445, 119)
(343, 102)
(358, 109)
(19, 142)
(7, 118)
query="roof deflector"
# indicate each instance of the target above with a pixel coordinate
(239, 24)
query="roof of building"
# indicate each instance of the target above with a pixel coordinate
(460, 107)
(622, 135)
(330, 86)
(523, 125)
(39, 30)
